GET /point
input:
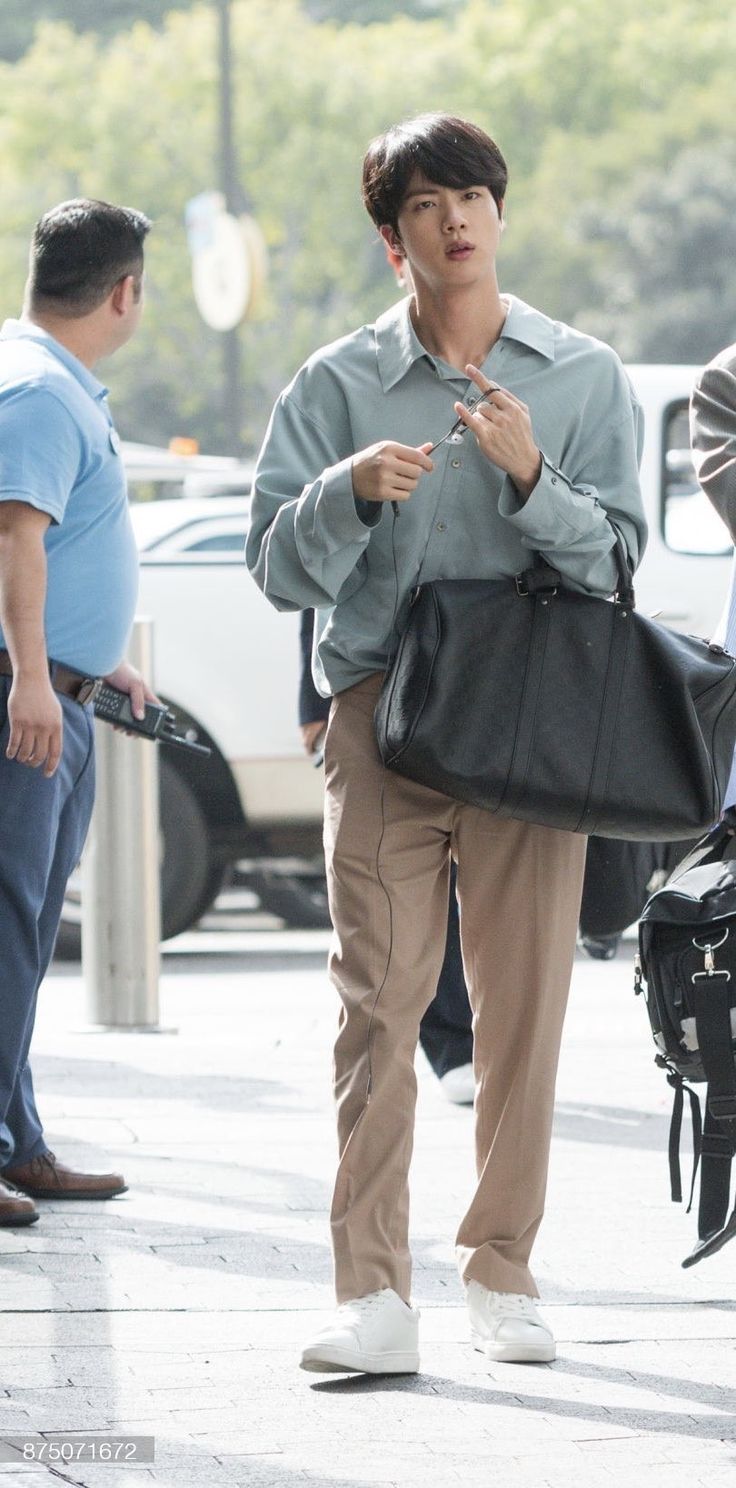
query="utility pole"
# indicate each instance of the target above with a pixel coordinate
(232, 400)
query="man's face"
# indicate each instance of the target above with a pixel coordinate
(448, 234)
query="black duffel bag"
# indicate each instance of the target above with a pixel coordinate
(535, 701)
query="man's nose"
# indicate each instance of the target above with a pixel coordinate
(454, 216)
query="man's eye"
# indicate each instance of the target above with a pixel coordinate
(470, 195)
(422, 204)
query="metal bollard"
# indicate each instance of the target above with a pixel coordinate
(121, 914)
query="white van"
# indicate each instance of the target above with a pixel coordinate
(683, 578)
(228, 663)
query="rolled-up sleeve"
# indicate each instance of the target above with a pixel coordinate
(572, 516)
(307, 532)
(713, 437)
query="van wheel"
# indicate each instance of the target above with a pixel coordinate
(190, 880)
(300, 902)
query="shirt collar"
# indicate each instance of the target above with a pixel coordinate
(398, 346)
(26, 330)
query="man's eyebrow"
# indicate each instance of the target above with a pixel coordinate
(435, 190)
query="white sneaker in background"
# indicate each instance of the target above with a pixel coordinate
(458, 1085)
(377, 1334)
(507, 1328)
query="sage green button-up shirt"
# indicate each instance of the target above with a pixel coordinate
(312, 544)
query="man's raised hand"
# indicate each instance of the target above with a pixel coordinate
(388, 471)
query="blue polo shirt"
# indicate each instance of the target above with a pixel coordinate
(59, 451)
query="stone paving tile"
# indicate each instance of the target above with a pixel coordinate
(211, 1271)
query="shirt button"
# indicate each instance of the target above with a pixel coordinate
(456, 464)
(441, 526)
(554, 480)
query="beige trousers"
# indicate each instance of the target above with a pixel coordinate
(388, 843)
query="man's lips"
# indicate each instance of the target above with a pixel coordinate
(459, 250)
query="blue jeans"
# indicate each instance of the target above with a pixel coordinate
(43, 824)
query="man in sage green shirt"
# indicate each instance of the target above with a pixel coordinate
(350, 511)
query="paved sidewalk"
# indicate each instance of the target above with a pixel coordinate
(178, 1310)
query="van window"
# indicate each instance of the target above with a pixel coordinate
(689, 523)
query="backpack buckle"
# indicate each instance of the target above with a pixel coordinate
(710, 961)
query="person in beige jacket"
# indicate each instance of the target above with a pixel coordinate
(713, 440)
(713, 434)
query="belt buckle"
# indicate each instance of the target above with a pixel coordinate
(89, 689)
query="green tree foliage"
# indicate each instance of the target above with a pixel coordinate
(620, 203)
(666, 287)
(374, 12)
(19, 18)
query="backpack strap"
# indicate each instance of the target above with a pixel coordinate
(681, 1088)
(710, 1002)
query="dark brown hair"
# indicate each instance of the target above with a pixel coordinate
(448, 151)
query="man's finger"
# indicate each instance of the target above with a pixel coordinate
(403, 485)
(487, 386)
(406, 471)
(502, 398)
(468, 415)
(15, 741)
(487, 410)
(53, 755)
(413, 455)
(32, 749)
(138, 698)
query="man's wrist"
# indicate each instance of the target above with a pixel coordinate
(525, 481)
(31, 666)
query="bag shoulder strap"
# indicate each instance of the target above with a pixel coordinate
(709, 998)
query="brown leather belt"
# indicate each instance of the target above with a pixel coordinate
(64, 679)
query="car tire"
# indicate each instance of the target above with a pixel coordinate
(190, 880)
(300, 902)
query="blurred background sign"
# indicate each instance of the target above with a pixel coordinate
(221, 272)
(229, 261)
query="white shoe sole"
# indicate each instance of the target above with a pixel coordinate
(515, 1353)
(327, 1360)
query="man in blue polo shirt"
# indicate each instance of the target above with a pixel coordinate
(68, 587)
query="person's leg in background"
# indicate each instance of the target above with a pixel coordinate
(446, 1030)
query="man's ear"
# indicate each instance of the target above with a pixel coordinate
(123, 295)
(392, 240)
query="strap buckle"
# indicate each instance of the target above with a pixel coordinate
(536, 581)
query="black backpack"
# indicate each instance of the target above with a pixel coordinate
(686, 967)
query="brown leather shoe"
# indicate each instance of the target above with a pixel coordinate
(15, 1208)
(44, 1177)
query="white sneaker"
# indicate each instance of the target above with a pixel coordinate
(377, 1334)
(508, 1328)
(458, 1085)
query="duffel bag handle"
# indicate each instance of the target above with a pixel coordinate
(543, 578)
